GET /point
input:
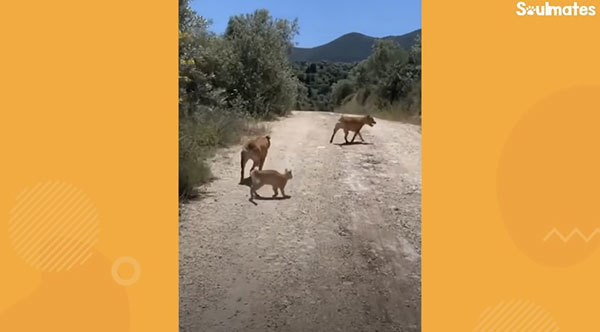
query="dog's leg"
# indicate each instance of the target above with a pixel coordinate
(360, 136)
(255, 187)
(262, 162)
(337, 127)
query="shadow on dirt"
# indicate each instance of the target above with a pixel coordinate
(262, 198)
(246, 182)
(270, 198)
(352, 143)
(198, 195)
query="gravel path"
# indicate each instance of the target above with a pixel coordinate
(342, 254)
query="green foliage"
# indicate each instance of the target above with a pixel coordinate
(399, 81)
(227, 81)
(319, 81)
(386, 53)
(341, 90)
(256, 68)
(388, 81)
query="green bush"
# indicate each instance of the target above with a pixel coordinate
(319, 79)
(387, 84)
(256, 67)
(389, 81)
(341, 90)
(227, 82)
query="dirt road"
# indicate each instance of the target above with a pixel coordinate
(342, 254)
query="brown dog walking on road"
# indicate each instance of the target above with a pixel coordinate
(255, 150)
(352, 123)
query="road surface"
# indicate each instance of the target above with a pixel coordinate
(342, 254)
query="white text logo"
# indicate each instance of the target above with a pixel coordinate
(524, 9)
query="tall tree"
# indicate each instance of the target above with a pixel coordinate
(258, 71)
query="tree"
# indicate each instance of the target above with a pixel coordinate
(404, 78)
(415, 51)
(312, 68)
(386, 53)
(256, 72)
(195, 78)
(389, 77)
(341, 90)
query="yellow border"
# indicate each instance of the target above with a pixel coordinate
(508, 153)
(89, 100)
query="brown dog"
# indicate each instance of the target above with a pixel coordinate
(352, 123)
(255, 150)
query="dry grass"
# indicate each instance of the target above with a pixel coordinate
(253, 128)
(201, 136)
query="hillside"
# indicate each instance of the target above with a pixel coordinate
(348, 48)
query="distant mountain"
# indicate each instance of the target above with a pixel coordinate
(348, 48)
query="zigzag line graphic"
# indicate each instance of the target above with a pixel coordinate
(575, 231)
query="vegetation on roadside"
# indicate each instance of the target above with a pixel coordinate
(317, 79)
(387, 84)
(227, 82)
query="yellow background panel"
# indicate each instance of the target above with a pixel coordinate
(89, 101)
(510, 110)
(89, 98)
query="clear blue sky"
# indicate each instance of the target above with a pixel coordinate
(322, 21)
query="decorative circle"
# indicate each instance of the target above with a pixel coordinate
(137, 271)
(516, 316)
(548, 178)
(53, 226)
